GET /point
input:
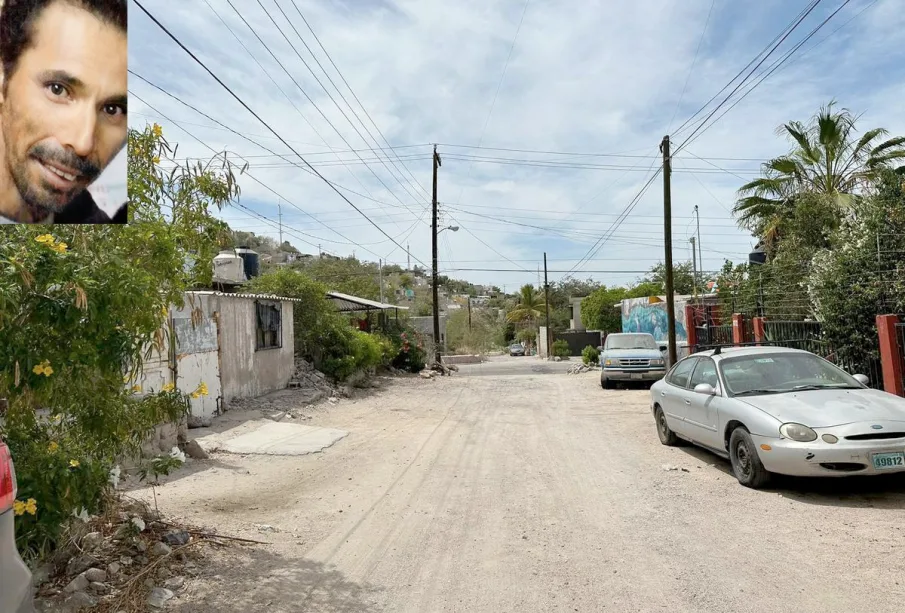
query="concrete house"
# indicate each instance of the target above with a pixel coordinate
(237, 345)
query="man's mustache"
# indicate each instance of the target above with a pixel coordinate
(85, 168)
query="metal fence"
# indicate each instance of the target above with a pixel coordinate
(798, 330)
(711, 336)
(900, 337)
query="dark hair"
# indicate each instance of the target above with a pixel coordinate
(18, 17)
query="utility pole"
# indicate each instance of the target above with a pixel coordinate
(667, 239)
(435, 289)
(380, 276)
(697, 215)
(408, 251)
(469, 313)
(319, 252)
(694, 268)
(280, 214)
(547, 304)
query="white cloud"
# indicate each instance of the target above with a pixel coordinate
(583, 76)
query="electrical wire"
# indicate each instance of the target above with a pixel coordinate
(691, 68)
(329, 95)
(765, 74)
(690, 138)
(811, 5)
(258, 117)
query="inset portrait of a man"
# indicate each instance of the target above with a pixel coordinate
(63, 103)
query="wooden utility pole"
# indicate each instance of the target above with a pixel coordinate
(667, 239)
(694, 268)
(434, 275)
(380, 277)
(469, 313)
(547, 304)
(280, 214)
(697, 215)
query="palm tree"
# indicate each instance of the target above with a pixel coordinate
(529, 308)
(826, 159)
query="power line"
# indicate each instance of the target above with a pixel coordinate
(691, 68)
(804, 12)
(350, 242)
(355, 96)
(691, 136)
(296, 164)
(258, 117)
(291, 101)
(767, 72)
(329, 95)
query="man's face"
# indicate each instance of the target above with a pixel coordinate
(63, 114)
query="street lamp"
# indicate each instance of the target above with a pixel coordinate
(453, 228)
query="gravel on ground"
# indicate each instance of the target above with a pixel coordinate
(526, 490)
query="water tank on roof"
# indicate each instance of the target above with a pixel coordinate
(229, 268)
(251, 260)
(758, 256)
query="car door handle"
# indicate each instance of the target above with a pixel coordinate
(663, 394)
(688, 402)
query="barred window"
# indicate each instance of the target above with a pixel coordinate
(268, 324)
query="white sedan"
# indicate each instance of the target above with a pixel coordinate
(777, 410)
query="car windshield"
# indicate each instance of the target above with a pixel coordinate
(516, 347)
(780, 373)
(630, 341)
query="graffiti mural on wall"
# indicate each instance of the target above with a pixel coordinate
(638, 315)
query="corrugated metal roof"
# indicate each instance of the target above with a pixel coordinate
(245, 296)
(346, 303)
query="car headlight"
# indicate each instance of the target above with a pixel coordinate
(656, 362)
(608, 362)
(798, 432)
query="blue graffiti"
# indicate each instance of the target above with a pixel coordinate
(652, 319)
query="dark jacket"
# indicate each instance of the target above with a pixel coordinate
(83, 210)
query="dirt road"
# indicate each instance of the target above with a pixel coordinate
(528, 491)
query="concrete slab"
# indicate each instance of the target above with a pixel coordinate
(279, 438)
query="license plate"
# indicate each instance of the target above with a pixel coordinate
(637, 376)
(886, 461)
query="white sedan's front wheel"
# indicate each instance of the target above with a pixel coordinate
(746, 464)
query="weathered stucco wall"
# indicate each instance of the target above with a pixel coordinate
(244, 371)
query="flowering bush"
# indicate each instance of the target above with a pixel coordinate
(79, 305)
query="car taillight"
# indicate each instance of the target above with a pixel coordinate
(7, 479)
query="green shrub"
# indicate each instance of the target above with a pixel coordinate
(561, 349)
(411, 356)
(590, 355)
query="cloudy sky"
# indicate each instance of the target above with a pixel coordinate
(548, 117)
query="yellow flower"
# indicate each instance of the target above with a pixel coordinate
(156, 160)
(74, 463)
(53, 446)
(31, 506)
(43, 369)
(59, 247)
(136, 388)
(57, 419)
(169, 387)
(45, 238)
(202, 389)
(18, 507)
(195, 395)
(157, 130)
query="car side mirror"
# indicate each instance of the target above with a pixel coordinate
(704, 388)
(862, 379)
(663, 347)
